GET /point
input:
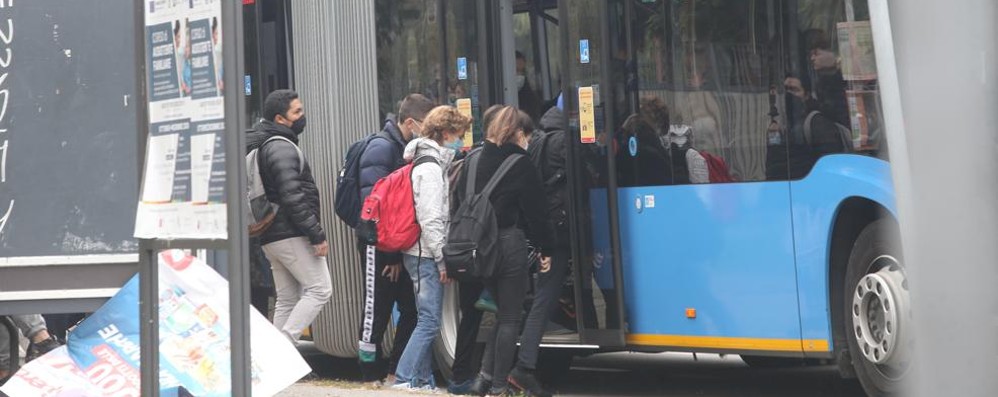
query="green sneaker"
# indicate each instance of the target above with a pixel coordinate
(486, 304)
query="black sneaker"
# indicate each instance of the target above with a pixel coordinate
(525, 381)
(39, 349)
(481, 387)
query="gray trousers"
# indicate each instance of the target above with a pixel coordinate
(302, 282)
(29, 324)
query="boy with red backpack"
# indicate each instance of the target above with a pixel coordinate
(385, 281)
(409, 211)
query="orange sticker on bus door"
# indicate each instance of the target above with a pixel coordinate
(587, 115)
(464, 106)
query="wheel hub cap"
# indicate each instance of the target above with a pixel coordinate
(880, 307)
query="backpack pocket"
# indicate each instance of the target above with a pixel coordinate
(462, 261)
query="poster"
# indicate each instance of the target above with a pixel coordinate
(464, 106)
(859, 62)
(587, 115)
(101, 357)
(183, 185)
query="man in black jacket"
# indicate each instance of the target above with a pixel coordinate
(385, 281)
(295, 244)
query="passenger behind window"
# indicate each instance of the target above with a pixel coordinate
(819, 115)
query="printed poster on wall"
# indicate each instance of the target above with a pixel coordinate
(183, 186)
(101, 357)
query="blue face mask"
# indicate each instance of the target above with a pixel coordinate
(457, 144)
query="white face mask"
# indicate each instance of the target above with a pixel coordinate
(521, 81)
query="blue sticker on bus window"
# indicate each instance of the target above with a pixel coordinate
(248, 85)
(632, 146)
(462, 68)
(584, 51)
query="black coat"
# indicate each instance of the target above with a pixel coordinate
(285, 185)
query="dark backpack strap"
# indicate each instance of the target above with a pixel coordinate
(469, 187)
(500, 173)
(423, 160)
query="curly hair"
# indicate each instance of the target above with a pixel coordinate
(443, 119)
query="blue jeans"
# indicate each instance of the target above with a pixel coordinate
(416, 365)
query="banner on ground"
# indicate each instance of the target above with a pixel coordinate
(102, 354)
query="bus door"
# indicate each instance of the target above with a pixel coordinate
(586, 81)
(682, 199)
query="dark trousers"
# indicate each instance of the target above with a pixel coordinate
(546, 294)
(380, 296)
(467, 359)
(509, 287)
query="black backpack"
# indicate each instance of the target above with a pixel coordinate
(347, 200)
(471, 251)
(553, 176)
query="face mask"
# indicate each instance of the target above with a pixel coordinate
(456, 144)
(521, 81)
(298, 125)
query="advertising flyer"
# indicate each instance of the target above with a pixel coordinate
(587, 116)
(183, 185)
(102, 355)
(859, 62)
(464, 106)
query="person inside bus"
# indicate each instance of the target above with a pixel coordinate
(517, 200)
(441, 138)
(530, 102)
(819, 117)
(828, 94)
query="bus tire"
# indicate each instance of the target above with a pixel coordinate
(877, 310)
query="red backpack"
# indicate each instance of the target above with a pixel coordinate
(388, 216)
(717, 167)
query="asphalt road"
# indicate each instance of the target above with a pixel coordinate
(631, 374)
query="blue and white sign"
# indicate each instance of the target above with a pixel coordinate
(462, 68)
(248, 84)
(632, 146)
(584, 51)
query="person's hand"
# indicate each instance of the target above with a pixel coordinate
(545, 264)
(443, 277)
(392, 272)
(794, 87)
(321, 249)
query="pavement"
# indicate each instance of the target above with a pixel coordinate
(625, 374)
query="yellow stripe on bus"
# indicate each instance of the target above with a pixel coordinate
(723, 342)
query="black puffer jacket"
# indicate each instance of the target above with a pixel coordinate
(294, 191)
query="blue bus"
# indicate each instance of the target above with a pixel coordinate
(728, 170)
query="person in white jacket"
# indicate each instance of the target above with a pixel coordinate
(441, 138)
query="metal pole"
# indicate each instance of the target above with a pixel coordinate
(149, 316)
(235, 185)
(507, 61)
(148, 263)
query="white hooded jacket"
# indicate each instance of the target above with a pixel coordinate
(430, 187)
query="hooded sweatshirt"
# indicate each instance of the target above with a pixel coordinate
(430, 187)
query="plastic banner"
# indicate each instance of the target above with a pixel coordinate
(102, 354)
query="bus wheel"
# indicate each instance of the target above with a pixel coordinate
(445, 346)
(878, 310)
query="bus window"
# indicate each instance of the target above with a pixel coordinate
(832, 90)
(409, 52)
(705, 74)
